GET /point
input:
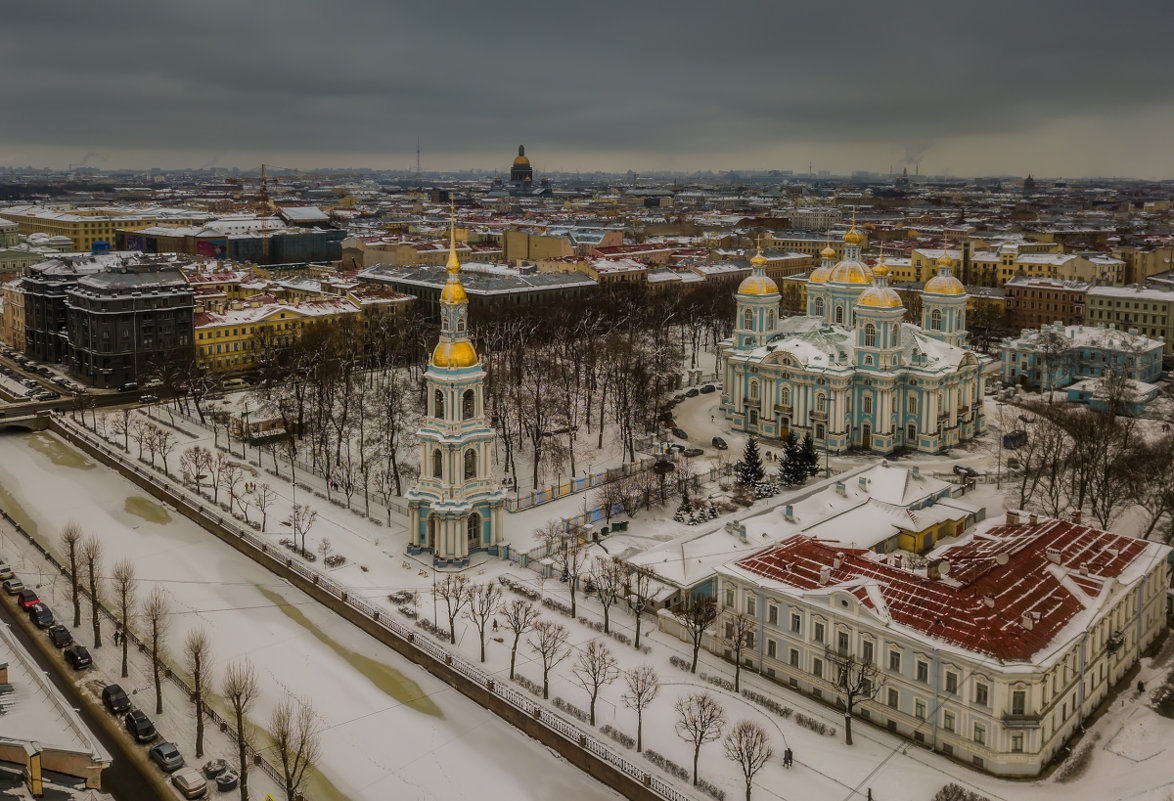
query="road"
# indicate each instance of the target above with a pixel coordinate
(129, 777)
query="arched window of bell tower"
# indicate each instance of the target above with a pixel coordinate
(839, 314)
(753, 388)
(438, 404)
(935, 320)
(770, 319)
(437, 463)
(870, 335)
(470, 464)
(468, 404)
(748, 318)
(819, 307)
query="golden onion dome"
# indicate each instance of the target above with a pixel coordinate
(454, 354)
(757, 285)
(853, 237)
(878, 297)
(819, 275)
(944, 285)
(759, 260)
(851, 272)
(828, 253)
(880, 271)
(453, 293)
(944, 260)
(521, 161)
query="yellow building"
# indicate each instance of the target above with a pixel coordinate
(85, 226)
(12, 322)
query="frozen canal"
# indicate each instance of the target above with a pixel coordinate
(391, 730)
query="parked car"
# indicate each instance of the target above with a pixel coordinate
(708, 388)
(214, 767)
(1015, 439)
(27, 599)
(692, 392)
(78, 657)
(41, 616)
(60, 636)
(148, 398)
(228, 780)
(963, 470)
(5, 572)
(167, 756)
(13, 585)
(140, 726)
(679, 433)
(154, 383)
(115, 699)
(129, 386)
(693, 451)
(719, 443)
(190, 783)
(1013, 464)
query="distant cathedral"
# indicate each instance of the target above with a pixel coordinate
(852, 373)
(521, 174)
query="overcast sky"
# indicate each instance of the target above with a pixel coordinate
(994, 87)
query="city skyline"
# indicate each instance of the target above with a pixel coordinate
(1044, 89)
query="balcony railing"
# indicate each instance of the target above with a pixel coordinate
(781, 409)
(816, 414)
(1025, 721)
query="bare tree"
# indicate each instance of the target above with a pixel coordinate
(165, 443)
(484, 601)
(695, 616)
(856, 680)
(570, 557)
(197, 650)
(155, 610)
(638, 588)
(456, 592)
(121, 427)
(140, 431)
(749, 746)
(216, 466)
(740, 630)
(263, 498)
(607, 576)
(296, 733)
(240, 690)
(230, 479)
(301, 519)
(520, 618)
(196, 464)
(643, 687)
(125, 587)
(1153, 485)
(550, 643)
(91, 554)
(700, 720)
(595, 668)
(71, 537)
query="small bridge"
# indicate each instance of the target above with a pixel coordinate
(27, 422)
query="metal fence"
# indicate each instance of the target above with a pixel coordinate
(414, 639)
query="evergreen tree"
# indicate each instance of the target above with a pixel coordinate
(791, 473)
(749, 471)
(809, 458)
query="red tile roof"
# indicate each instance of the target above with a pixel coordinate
(955, 609)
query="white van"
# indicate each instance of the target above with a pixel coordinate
(233, 384)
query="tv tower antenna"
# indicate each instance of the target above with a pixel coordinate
(417, 158)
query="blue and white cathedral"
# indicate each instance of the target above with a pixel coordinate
(851, 373)
(455, 509)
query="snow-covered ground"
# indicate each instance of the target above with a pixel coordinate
(391, 730)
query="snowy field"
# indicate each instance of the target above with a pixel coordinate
(391, 730)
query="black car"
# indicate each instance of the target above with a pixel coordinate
(692, 392)
(679, 433)
(693, 452)
(40, 616)
(719, 443)
(78, 657)
(964, 471)
(228, 780)
(60, 636)
(708, 388)
(140, 726)
(115, 699)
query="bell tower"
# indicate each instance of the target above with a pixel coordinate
(456, 506)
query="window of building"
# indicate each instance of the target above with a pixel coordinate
(919, 710)
(980, 734)
(772, 614)
(818, 307)
(840, 314)
(1017, 743)
(867, 404)
(794, 658)
(866, 651)
(911, 404)
(922, 672)
(753, 389)
(821, 402)
(981, 694)
(895, 661)
(468, 404)
(470, 464)
(948, 720)
(796, 622)
(869, 335)
(730, 597)
(751, 608)
(785, 396)
(1018, 702)
(894, 698)
(747, 318)
(438, 404)
(771, 648)
(842, 642)
(819, 632)
(951, 683)
(437, 463)
(935, 320)
(817, 668)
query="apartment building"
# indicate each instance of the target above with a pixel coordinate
(1145, 308)
(994, 653)
(1032, 302)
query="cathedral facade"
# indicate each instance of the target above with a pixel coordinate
(455, 508)
(852, 373)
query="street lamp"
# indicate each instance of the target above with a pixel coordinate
(245, 433)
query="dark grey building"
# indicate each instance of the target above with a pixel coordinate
(125, 322)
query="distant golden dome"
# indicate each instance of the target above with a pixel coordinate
(944, 285)
(828, 253)
(757, 285)
(521, 161)
(454, 354)
(877, 297)
(850, 272)
(819, 275)
(453, 293)
(853, 237)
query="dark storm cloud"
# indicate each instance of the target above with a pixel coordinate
(597, 84)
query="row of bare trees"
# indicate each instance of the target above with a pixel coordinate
(152, 441)
(293, 728)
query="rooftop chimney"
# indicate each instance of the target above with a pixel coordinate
(1027, 622)
(839, 560)
(1012, 518)
(825, 574)
(1034, 518)
(1054, 555)
(1084, 568)
(989, 601)
(1076, 516)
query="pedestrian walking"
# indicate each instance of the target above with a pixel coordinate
(495, 624)
(788, 758)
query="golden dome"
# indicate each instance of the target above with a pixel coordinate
(945, 285)
(853, 237)
(944, 260)
(454, 354)
(828, 253)
(759, 260)
(819, 275)
(850, 272)
(877, 297)
(757, 285)
(521, 161)
(453, 293)
(880, 271)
